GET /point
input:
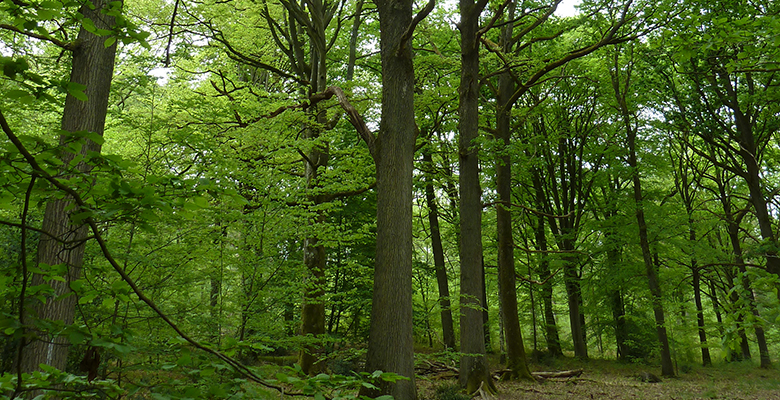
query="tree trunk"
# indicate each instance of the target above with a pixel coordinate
(736, 247)
(667, 368)
(571, 280)
(474, 370)
(391, 341)
(93, 66)
(705, 351)
(447, 328)
(540, 236)
(517, 362)
(314, 257)
(485, 308)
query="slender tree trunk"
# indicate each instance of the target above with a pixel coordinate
(736, 247)
(473, 364)
(705, 350)
(485, 308)
(551, 328)
(747, 151)
(93, 66)
(353, 39)
(391, 341)
(571, 280)
(442, 281)
(616, 296)
(667, 368)
(517, 361)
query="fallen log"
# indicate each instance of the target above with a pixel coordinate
(558, 374)
(545, 375)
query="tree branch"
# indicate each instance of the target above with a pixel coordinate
(406, 38)
(70, 46)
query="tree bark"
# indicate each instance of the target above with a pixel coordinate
(391, 342)
(93, 66)
(473, 364)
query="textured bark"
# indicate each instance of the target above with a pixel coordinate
(391, 342)
(448, 330)
(93, 66)
(473, 364)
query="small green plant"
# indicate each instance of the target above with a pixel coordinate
(450, 391)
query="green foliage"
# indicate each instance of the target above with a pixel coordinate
(450, 391)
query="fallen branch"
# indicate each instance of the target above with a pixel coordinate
(558, 374)
(574, 373)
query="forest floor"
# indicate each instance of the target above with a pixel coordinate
(602, 379)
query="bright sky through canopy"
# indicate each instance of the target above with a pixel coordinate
(566, 8)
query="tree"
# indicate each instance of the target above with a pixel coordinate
(622, 86)
(474, 370)
(92, 68)
(391, 342)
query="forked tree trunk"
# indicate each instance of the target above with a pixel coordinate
(93, 66)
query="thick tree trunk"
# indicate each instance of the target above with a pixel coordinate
(391, 341)
(93, 66)
(473, 364)
(448, 330)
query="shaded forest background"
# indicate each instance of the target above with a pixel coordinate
(191, 190)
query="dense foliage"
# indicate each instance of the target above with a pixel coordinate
(218, 236)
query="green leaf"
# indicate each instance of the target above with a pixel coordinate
(201, 201)
(76, 337)
(77, 90)
(16, 93)
(109, 42)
